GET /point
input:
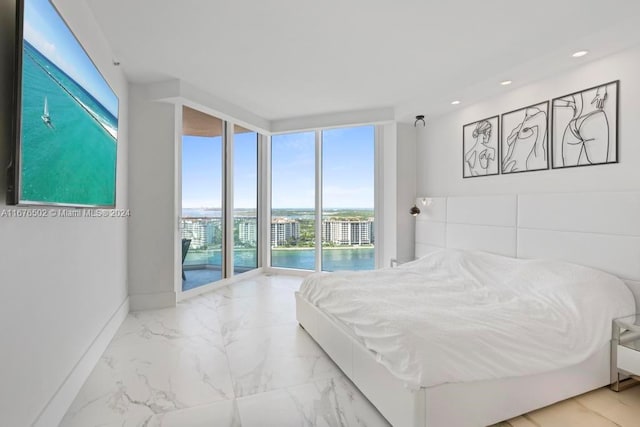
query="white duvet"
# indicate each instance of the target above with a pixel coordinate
(456, 316)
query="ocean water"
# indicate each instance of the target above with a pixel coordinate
(332, 259)
(351, 259)
(74, 160)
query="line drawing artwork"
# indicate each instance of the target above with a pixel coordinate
(525, 139)
(585, 127)
(480, 148)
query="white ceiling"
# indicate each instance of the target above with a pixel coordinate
(290, 58)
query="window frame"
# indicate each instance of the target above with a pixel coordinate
(378, 195)
(227, 195)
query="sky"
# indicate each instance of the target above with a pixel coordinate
(48, 33)
(202, 171)
(348, 170)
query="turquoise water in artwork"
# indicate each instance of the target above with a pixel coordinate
(71, 160)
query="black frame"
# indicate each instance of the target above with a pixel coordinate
(14, 178)
(617, 128)
(548, 145)
(13, 168)
(498, 152)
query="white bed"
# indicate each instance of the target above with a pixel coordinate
(599, 230)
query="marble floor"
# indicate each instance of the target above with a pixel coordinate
(236, 357)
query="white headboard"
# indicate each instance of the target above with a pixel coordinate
(600, 230)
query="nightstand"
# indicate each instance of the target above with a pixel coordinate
(625, 352)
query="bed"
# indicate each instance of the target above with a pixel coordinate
(596, 230)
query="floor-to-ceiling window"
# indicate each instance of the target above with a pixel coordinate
(245, 200)
(202, 190)
(219, 226)
(339, 165)
(293, 203)
(348, 199)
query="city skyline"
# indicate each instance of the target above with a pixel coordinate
(350, 231)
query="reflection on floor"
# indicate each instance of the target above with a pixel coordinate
(599, 408)
(196, 278)
(236, 357)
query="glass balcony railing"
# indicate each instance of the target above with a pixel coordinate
(203, 260)
(245, 243)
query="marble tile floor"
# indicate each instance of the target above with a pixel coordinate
(236, 357)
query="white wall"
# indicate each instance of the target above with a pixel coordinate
(386, 203)
(440, 145)
(62, 279)
(152, 198)
(406, 191)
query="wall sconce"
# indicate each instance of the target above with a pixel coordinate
(414, 211)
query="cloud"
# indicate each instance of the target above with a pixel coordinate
(38, 40)
(48, 49)
(200, 203)
(341, 197)
(298, 199)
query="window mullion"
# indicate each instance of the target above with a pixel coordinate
(228, 198)
(318, 205)
(264, 197)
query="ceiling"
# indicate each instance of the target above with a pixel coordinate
(293, 58)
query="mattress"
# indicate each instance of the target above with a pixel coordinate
(458, 316)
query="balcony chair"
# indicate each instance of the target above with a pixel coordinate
(185, 248)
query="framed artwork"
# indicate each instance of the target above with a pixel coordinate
(584, 127)
(524, 139)
(65, 145)
(480, 150)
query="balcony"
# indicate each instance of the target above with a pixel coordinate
(204, 260)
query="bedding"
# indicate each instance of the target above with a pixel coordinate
(459, 316)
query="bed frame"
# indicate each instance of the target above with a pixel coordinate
(600, 230)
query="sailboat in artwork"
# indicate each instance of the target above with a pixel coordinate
(45, 113)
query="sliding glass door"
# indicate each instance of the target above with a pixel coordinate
(202, 219)
(219, 174)
(245, 200)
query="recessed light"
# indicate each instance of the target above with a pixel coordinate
(580, 53)
(506, 82)
(455, 102)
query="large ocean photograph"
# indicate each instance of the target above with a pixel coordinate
(69, 117)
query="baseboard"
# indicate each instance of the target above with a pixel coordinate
(141, 302)
(57, 407)
(287, 271)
